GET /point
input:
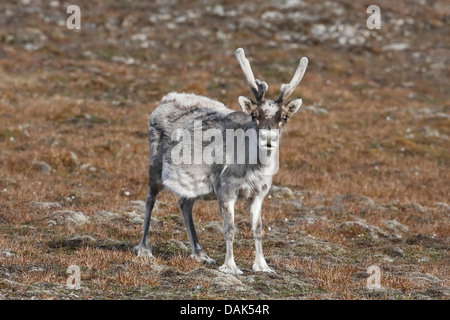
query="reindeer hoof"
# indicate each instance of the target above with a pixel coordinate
(143, 251)
(258, 267)
(230, 270)
(203, 258)
(269, 270)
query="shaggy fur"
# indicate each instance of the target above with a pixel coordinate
(224, 180)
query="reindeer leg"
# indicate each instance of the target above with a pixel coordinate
(143, 249)
(226, 208)
(186, 206)
(254, 206)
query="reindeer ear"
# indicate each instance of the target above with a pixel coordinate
(292, 107)
(246, 104)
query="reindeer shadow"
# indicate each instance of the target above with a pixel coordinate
(89, 242)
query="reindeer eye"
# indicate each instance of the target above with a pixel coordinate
(253, 114)
(285, 118)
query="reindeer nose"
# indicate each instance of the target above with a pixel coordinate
(268, 137)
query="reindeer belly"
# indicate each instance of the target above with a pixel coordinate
(186, 182)
(250, 185)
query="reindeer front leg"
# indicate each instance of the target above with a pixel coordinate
(254, 206)
(226, 208)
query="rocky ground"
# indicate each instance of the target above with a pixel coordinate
(364, 168)
(319, 252)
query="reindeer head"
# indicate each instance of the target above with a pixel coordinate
(269, 116)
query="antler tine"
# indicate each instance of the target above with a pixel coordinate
(257, 87)
(287, 89)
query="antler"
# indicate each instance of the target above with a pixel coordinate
(287, 89)
(258, 88)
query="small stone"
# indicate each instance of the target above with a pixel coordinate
(83, 238)
(227, 280)
(139, 37)
(27, 227)
(177, 245)
(66, 217)
(137, 220)
(427, 132)
(395, 47)
(218, 10)
(45, 205)
(355, 229)
(220, 280)
(215, 226)
(106, 216)
(414, 207)
(315, 110)
(281, 192)
(353, 198)
(442, 205)
(6, 253)
(31, 38)
(138, 205)
(42, 166)
(393, 251)
(395, 226)
(73, 157)
(272, 16)
(424, 278)
(290, 4)
(131, 214)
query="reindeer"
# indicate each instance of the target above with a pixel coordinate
(226, 182)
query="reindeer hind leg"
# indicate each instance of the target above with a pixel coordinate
(186, 205)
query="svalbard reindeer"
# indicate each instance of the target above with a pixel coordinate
(222, 179)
